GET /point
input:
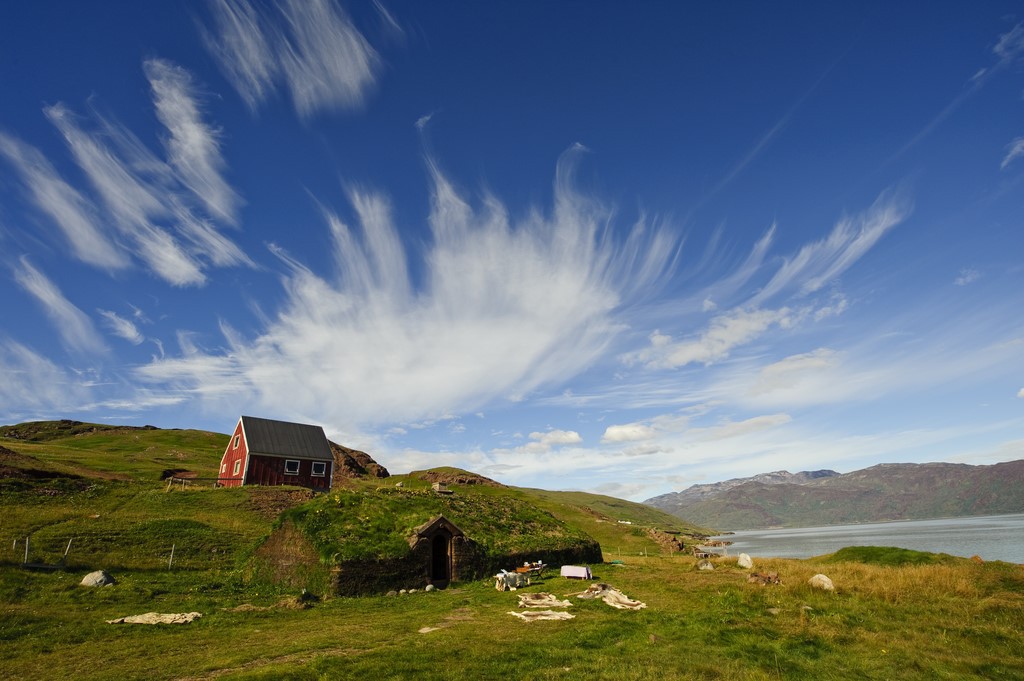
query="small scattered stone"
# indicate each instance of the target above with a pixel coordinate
(427, 630)
(429, 587)
(745, 562)
(403, 591)
(412, 591)
(98, 578)
(978, 559)
(807, 608)
(705, 564)
(392, 593)
(773, 611)
(822, 582)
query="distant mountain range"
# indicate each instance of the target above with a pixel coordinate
(890, 491)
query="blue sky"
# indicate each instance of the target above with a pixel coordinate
(616, 247)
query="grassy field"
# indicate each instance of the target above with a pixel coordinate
(946, 621)
(895, 614)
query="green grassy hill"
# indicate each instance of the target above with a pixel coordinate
(102, 487)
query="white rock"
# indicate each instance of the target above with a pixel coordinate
(821, 582)
(97, 578)
(745, 562)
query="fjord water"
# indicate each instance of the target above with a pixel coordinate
(991, 537)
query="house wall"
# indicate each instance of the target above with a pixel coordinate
(269, 470)
(233, 454)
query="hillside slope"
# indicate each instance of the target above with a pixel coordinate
(103, 488)
(879, 493)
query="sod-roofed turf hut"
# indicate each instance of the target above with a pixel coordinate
(371, 541)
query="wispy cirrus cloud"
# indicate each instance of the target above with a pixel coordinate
(818, 263)
(1008, 49)
(74, 327)
(503, 309)
(73, 213)
(968, 275)
(155, 205)
(33, 386)
(1014, 150)
(316, 52)
(193, 149)
(121, 327)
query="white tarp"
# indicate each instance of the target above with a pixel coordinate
(576, 571)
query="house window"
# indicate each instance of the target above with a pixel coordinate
(291, 467)
(319, 469)
(238, 467)
(237, 438)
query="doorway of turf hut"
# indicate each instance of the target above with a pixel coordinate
(441, 559)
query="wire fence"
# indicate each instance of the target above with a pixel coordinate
(109, 550)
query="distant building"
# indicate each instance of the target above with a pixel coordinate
(268, 452)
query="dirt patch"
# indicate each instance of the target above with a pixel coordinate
(270, 502)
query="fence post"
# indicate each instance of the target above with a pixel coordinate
(26, 551)
(68, 548)
(172, 557)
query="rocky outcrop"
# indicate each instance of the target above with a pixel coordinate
(351, 463)
(668, 541)
(455, 476)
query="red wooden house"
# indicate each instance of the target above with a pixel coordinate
(267, 452)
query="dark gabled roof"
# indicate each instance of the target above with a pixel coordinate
(281, 438)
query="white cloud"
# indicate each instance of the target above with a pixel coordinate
(1020, 393)
(74, 326)
(731, 429)
(724, 333)
(309, 46)
(121, 327)
(815, 265)
(557, 437)
(1014, 150)
(142, 194)
(967, 275)
(796, 372)
(818, 263)
(192, 148)
(630, 432)
(504, 309)
(33, 386)
(69, 210)
(836, 306)
(1010, 44)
